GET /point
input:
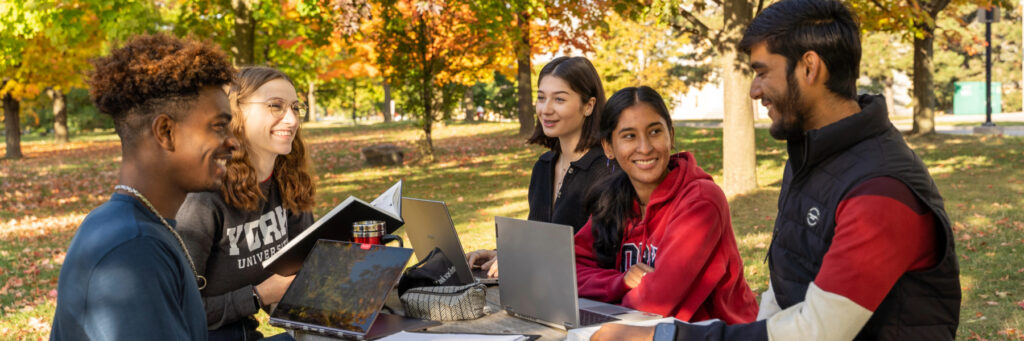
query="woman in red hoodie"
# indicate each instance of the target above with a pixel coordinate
(660, 239)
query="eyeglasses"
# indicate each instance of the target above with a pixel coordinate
(277, 107)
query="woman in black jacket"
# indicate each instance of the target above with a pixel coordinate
(570, 98)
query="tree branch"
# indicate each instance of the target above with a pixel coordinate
(700, 28)
(883, 8)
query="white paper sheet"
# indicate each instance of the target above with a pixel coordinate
(391, 200)
(410, 336)
(584, 334)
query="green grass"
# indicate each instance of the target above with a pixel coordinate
(481, 171)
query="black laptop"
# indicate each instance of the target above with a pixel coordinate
(340, 291)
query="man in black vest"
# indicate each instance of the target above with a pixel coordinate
(862, 247)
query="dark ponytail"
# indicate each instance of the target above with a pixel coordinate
(610, 200)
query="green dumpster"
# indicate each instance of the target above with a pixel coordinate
(969, 98)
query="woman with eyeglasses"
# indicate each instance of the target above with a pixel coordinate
(266, 198)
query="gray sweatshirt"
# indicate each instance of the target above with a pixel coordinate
(228, 246)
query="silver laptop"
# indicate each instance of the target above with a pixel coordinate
(340, 290)
(428, 225)
(538, 276)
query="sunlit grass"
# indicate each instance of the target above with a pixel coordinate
(482, 170)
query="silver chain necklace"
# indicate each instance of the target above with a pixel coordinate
(200, 280)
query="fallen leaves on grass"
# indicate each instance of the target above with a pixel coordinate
(58, 178)
(1011, 333)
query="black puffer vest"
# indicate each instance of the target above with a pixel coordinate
(822, 168)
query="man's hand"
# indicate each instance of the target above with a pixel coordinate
(485, 259)
(272, 289)
(617, 332)
(635, 274)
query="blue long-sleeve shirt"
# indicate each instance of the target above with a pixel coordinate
(125, 277)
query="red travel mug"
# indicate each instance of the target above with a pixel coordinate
(368, 231)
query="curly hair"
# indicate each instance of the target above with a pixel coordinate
(292, 171)
(153, 74)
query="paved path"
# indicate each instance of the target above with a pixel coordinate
(1012, 124)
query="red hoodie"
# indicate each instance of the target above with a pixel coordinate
(688, 234)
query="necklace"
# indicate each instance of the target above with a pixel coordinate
(562, 170)
(200, 280)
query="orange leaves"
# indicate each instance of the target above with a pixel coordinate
(19, 90)
(352, 61)
(288, 43)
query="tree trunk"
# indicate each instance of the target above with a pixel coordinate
(890, 94)
(60, 115)
(924, 97)
(245, 32)
(389, 109)
(426, 92)
(12, 125)
(467, 104)
(446, 103)
(525, 103)
(355, 93)
(428, 117)
(739, 160)
(311, 98)
(353, 112)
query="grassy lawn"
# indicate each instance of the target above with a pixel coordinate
(482, 171)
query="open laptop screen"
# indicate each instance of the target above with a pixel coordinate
(342, 286)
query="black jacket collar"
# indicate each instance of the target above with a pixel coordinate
(820, 144)
(584, 162)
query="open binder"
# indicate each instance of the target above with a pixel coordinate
(337, 225)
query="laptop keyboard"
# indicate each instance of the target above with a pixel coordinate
(588, 318)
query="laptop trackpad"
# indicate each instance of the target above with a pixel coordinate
(603, 308)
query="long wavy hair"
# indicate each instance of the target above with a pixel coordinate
(611, 199)
(292, 172)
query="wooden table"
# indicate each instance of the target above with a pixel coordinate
(496, 321)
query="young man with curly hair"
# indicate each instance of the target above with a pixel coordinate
(127, 274)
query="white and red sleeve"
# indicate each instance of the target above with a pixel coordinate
(882, 231)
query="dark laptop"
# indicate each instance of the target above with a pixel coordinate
(428, 225)
(340, 290)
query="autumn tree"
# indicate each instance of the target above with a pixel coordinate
(916, 20)
(303, 38)
(20, 23)
(424, 46)
(46, 46)
(547, 26)
(647, 52)
(249, 29)
(717, 26)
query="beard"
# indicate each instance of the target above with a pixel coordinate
(790, 124)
